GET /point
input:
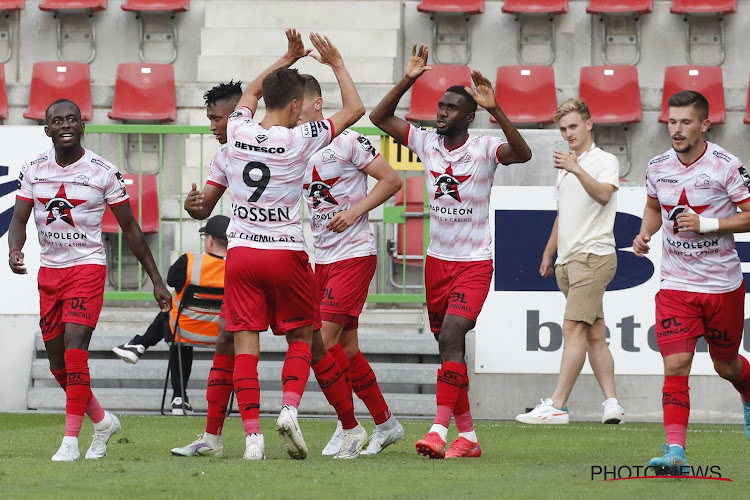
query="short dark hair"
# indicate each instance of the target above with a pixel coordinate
(281, 86)
(312, 87)
(61, 101)
(231, 90)
(690, 98)
(471, 104)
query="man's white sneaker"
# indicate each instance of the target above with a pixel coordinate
(545, 413)
(66, 453)
(205, 446)
(334, 444)
(613, 412)
(381, 439)
(130, 353)
(287, 426)
(255, 447)
(98, 448)
(353, 442)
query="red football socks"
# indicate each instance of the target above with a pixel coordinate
(295, 372)
(365, 384)
(333, 385)
(462, 411)
(93, 409)
(676, 404)
(340, 356)
(742, 383)
(450, 381)
(77, 390)
(247, 389)
(218, 392)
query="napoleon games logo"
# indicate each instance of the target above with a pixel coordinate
(59, 207)
(682, 206)
(447, 183)
(319, 190)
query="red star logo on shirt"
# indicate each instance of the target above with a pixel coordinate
(58, 208)
(682, 204)
(319, 189)
(447, 183)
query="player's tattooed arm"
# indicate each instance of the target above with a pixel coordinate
(17, 235)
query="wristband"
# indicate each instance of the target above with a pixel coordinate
(707, 225)
(14, 250)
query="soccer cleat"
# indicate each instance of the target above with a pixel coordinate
(746, 407)
(205, 446)
(287, 426)
(613, 412)
(463, 448)
(544, 413)
(353, 442)
(334, 444)
(432, 445)
(255, 447)
(381, 439)
(98, 448)
(673, 463)
(130, 353)
(66, 453)
(177, 407)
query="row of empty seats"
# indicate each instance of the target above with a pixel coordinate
(527, 94)
(143, 92)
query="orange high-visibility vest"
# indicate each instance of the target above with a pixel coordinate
(198, 326)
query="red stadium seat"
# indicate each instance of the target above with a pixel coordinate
(149, 221)
(430, 87)
(554, 7)
(526, 93)
(6, 8)
(707, 80)
(75, 7)
(455, 6)
(703, 7)
(610, 14)
(63, 5)
(59, 80)
(411, 247)
(144, 92)
(3, 94)
(9, 5)
(523, 10)
(160, 7)
(156, 5)
(611, 93)
(714, 8)
(620, 6)
(747, 112)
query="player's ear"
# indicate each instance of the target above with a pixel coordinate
(318, 103)
(470, 117)
(46, 131)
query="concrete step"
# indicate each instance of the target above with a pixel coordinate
(304, 15)
(53, 398)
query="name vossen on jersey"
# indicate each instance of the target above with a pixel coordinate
(260, 214)
(261, 238)
(658, 159)
(669, 181)
(260, 149)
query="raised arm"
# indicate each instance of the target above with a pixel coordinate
(383, 116)
(200, 204)
(353, 109)
(516, 150)
(295, 51)
(17, 235)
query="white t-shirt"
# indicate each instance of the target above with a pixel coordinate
(459, 183)
(264, 170)
(583, 225)
(334, 181)
(69, 203)
(711, 186)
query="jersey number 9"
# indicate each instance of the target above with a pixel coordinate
(260, 184)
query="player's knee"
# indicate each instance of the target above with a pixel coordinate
(728, 370)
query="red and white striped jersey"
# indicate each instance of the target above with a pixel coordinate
(334, 181)
(459, 182)
(69, 203)
(264, 173)
(711, 186)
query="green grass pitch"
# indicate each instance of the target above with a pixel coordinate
(518, 461)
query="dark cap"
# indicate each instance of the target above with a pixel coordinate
(216, 227)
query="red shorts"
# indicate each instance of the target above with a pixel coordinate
(683, 317)
(70, 295)
(458, 288)
(269, 287)
(342, 289)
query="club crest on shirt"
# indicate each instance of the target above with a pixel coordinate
(319, 189)
(447, 183)
(59, 207)
(703, 181)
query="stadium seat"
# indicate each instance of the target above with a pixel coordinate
(407, 248)
(440, 12)
(61, 8)
(747, 111)
(708, 80)
(689, 9)
(523, 10)
(149, 218)
(7, 9)
(526, 93)
(144, 92)
(608, 11)
(57, 80)
(611, 93)
(156, 7)
(430, 87)
(3, 95)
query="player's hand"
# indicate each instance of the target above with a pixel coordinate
(547, 267)
(295, 48)
(565, 161)
(688, 221)
(640, 244)
(484, 95)
(327, 54)
(194, 200)
(417, 62)
(15, 261)
(342, 221)
(163, 297)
